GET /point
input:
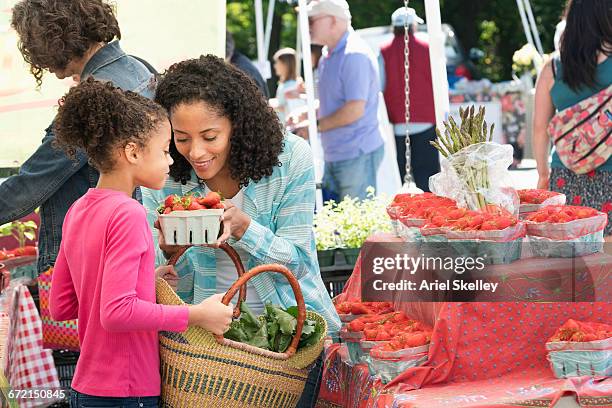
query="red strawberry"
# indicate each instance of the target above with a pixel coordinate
(29, 250)
(489, 226)
(416, 340)
(171, 200)
(218, 206)
(178, 207)
(167, 210)
(211, 199)
(358, 308)
(194, 205)
(370, 334)
(356, 326)
(382, 335)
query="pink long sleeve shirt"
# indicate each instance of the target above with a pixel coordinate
(105, 276)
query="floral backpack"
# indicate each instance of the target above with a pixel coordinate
(582, 132)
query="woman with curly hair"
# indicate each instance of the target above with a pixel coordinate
(227, 139)
(105, 273)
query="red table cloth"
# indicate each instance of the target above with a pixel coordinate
(482, 354)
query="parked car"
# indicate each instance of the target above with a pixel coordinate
(458, 63)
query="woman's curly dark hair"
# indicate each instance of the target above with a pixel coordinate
(257, 135)
(53, 32)
(98, 118)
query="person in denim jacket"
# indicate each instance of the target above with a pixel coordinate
(80, 38)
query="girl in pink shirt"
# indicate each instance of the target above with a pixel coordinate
(105, 274)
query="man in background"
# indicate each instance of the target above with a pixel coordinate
(348, 95)
(424, 157)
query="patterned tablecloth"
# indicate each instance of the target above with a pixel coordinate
(482, 354)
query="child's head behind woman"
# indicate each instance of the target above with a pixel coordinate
(125, 136)
(285, 64)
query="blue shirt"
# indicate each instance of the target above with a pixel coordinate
(281, 208)
(348, 73)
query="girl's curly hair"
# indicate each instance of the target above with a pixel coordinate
(257, 135)
(97, 117)
(53, 32)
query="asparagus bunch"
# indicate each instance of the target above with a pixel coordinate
(473, 130)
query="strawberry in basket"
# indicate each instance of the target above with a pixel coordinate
(191, 202)
(536, 196)
(562, 214)
(361, 308)
(573, 330)
(191, 219)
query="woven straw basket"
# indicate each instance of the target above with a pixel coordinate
(200, 369)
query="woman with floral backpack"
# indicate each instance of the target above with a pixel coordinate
(573, 109)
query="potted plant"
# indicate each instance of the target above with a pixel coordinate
(326, 234)
(357, 219)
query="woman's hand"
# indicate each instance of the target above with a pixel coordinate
(167, 273)
(168, 250)
(235, 223)
(544, 180)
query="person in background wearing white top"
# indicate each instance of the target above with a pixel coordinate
(287, 95)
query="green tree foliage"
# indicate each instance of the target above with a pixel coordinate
(494, 26)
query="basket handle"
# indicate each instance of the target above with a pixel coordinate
(231, 252)
(297, 291)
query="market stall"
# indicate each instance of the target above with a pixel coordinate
(542, 333)
(481, 353)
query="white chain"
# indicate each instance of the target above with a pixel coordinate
(408, 179)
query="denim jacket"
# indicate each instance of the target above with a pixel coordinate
(52, 181)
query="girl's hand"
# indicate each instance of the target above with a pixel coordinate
(235, 223)
(167, 273)
(212, 315)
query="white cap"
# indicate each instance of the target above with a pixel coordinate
(400, 17)
(336, 8)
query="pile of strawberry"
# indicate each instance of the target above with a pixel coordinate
(418, 206)
(395, 328)
(461, 219)
(442, 212)
(361, 308)
(191, 202)
(535, 196)
(27, 250)
(561, 214)
(574, 330)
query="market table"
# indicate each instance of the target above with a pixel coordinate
(482, 354)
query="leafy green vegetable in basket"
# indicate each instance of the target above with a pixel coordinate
(274, 330)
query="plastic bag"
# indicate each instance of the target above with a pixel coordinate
(478, 175)
(389, 364)
(409, 234)
(568, 248)
(567, 230)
